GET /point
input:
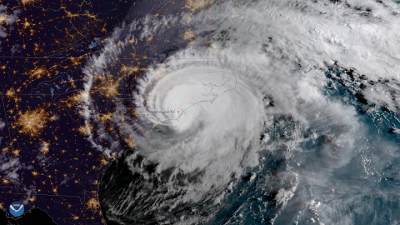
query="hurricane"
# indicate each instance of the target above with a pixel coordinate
(249, 112)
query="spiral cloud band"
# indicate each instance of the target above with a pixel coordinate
(288, 79)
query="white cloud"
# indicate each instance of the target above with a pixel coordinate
(7, 18)
(276, 49)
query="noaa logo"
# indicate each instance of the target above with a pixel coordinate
(16, 208)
